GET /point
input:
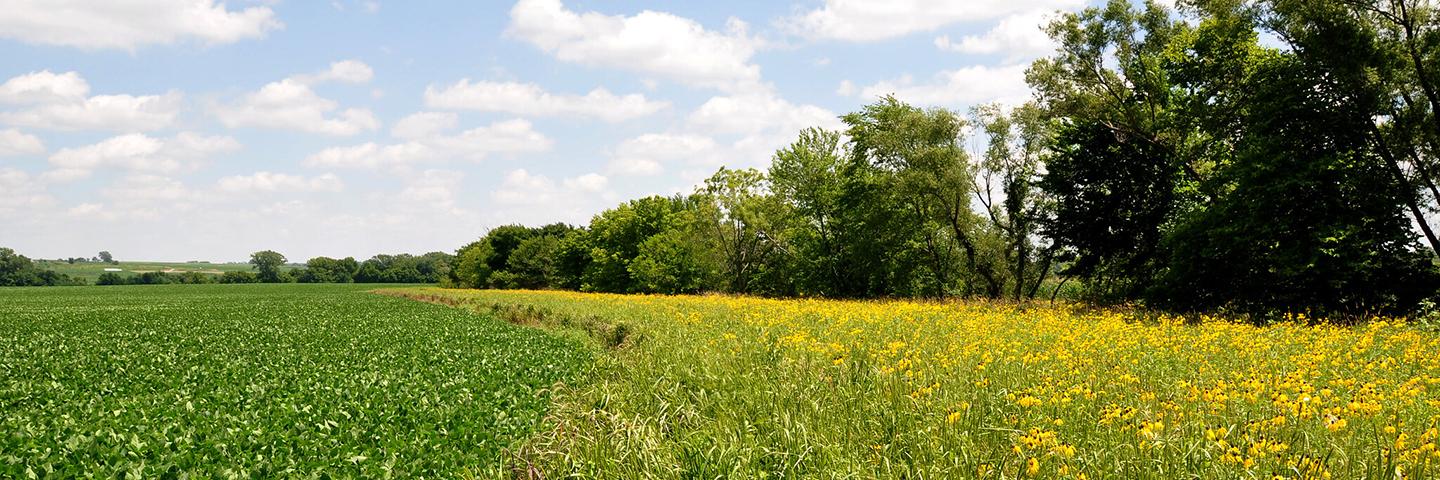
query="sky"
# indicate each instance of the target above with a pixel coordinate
(202, 130)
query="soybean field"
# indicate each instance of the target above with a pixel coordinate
(264, 381)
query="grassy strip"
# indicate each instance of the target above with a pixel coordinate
(751, 388)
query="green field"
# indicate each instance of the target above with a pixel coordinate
(90, 271)
(337, 381)
(264, 381)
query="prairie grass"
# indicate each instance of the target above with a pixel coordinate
(714, 386)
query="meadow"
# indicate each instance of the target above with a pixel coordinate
(264, 381)
(718, 386)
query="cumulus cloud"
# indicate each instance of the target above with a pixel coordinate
(529, 99)
(344, 71)
(1017, 37)
(131, 24)
(872, 20)
(280, 182)
(143, 188)
(428, 143)
(139, 153)
(62, 102)
(19, 192)
(424, 125)
(740, 130)
(754, 113)
(44, 87)
(590, 182)
(290, 104)
(15, 142)
(649, 153)
(958, 88)
(524, 196)
(650, 43)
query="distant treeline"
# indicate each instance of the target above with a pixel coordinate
(268, 267)
(19, 271)
(271, 267)
(1172, 160)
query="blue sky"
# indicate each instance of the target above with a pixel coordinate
(194, 129)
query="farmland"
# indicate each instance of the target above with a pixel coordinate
(264, 381)
(715, 386)
(91, 271)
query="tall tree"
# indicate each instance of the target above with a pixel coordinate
(932, 175)
(1013, 160)
(268, 265)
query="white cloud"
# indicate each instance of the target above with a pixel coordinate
(428, 144)
(756, 113)
(647, 154)
(20, 193)
(432, 189)
(520, 187)
(130, 24)
(134, 189)
(533, 199)
(1017, 37)
(44, 87)
(15, 142)
(651, 43)
(290, 104)
(344, 71)
(280, 182)
(740, 131)
(958, 88)
(590, 182)
(140, 153)
(424, 125)
(871, 20)
(529, 99)
(59, 102)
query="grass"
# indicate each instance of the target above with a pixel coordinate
(710, 387)
(264, 381)
(90, 271)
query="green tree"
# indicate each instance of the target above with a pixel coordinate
(920, 154)
(809, 177)
(269, 266)
(744, 222)
(535, 263)
(472, 268)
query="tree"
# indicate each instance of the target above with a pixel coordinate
(535, 263)
(239, 277)
(106, 257)
(1017, 141)
(472, 268)
(1311, 218)
(744, 222)
(931, 175)
(616, 235)
(268, 265)
(328, 270)
(809, 177)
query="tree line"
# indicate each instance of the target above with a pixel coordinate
(269, 266)
(19, 271)
(266, 267)
(1168, 158)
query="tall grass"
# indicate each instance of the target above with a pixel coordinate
(707, 387)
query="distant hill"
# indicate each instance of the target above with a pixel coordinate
(90, 271)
